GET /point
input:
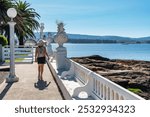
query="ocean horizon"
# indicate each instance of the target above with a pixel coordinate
(112, 51)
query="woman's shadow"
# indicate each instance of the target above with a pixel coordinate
(41, 84)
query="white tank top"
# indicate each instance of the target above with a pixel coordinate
(41, 51)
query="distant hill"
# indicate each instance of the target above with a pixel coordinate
(79, 38)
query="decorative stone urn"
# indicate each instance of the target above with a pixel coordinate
(61, 52)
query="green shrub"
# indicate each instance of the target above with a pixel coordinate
(3, 40)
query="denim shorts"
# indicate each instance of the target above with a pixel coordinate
(41, 60)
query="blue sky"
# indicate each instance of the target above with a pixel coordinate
(129, 18)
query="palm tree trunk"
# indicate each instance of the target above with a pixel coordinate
(21, 42)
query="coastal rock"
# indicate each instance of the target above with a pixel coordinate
(127, 73)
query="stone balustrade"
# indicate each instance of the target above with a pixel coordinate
(95, 85)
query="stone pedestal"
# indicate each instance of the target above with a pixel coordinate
(12, 79)
(61, 55)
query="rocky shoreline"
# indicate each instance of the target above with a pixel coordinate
(131, 74)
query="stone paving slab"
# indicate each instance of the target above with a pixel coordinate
(28, 87)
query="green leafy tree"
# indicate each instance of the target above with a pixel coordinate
(3, 40)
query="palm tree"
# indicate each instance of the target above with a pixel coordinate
(4, 5)
(26, 22)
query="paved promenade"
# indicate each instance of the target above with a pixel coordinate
(28, 87)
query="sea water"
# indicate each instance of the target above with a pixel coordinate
(112, 51)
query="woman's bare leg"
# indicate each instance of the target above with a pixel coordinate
(42, 69)
(39, 71)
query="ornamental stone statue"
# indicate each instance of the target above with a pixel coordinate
(61, 52)
(61, 36)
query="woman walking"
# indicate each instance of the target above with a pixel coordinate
(40, 57)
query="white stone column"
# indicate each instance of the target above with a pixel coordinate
(12, 77)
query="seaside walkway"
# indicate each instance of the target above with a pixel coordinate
(28, 87)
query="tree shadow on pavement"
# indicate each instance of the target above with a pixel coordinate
(3, 93)
(41, 84)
